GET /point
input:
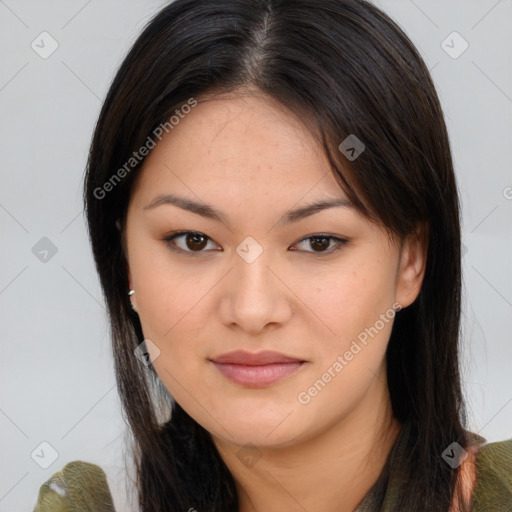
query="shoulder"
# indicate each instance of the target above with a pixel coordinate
(80, 486)
(493, 485)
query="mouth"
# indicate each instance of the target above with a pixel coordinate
(256, 370)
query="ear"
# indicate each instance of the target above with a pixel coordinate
(413, 260)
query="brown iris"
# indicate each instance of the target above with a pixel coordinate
(195, 241)
(322, 245)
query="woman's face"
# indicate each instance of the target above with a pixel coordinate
(256, 277)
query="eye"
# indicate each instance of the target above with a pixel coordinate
(320, 243)
(187, 241)
(190, 242)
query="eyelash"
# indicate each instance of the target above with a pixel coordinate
(169, 242)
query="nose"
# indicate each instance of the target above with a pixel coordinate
(254, 295)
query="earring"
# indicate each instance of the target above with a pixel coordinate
(131, 292)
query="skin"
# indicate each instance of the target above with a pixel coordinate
(253, 160)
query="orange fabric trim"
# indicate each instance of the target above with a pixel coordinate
(466, 477)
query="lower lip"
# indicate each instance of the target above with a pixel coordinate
(257, 376)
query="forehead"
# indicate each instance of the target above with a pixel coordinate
(247, 142)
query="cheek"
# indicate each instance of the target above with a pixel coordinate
(172, 315)
(173, 318)
(344, 302)
(170, 296)
(359, 310)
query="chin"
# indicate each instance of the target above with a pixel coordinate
(264, 433)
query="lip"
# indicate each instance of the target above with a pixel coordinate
(256, 370)
(254, 359)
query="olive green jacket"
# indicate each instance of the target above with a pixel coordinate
(492, 490)
(83, 487)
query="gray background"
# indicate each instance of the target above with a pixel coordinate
(57, 382)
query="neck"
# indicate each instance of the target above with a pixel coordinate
(332, 471)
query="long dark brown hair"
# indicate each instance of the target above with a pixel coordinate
(346, 68)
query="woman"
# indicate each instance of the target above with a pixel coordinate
(274, 217)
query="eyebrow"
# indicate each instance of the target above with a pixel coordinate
(210, 212)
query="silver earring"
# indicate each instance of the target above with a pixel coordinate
(131, 292)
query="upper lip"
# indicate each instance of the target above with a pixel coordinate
(254, 359)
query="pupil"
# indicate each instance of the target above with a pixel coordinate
(323, 245)
(196, 239)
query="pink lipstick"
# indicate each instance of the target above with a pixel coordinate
(256, 370)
